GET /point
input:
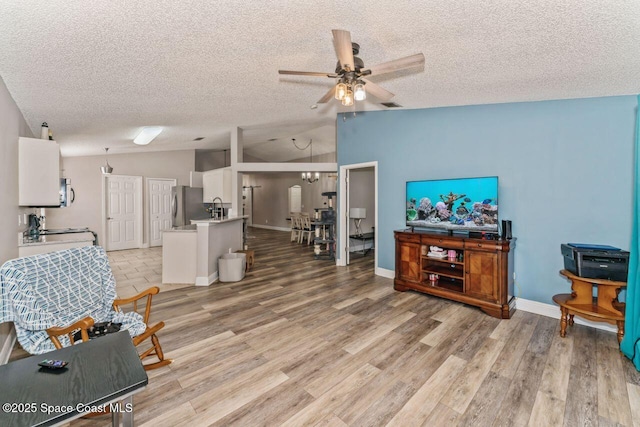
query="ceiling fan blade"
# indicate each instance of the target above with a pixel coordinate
(327, 96)
(307, 73)
(377, 91)
(344, 50)
(416, 60)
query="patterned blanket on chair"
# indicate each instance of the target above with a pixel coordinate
(58, 289)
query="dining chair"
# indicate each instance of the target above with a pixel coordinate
(296, 226)
(306, 229)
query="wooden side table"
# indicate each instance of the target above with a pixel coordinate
(604, 307)
(250, 258)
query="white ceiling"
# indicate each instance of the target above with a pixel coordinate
(99, 71)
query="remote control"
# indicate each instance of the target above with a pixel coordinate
(53, 364)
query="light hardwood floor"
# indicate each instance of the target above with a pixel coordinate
(300, 342)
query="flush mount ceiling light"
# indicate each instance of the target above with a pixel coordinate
(147, 135)
(106, 169)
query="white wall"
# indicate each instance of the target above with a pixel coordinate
(207, 160)
(12, 126)
(86, 180)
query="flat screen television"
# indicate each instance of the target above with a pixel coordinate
(463, 204)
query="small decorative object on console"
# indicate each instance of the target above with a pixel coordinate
(437, 252)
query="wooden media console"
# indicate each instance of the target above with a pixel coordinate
(480, 273)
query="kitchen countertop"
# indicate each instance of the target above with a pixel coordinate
(182, 229)
(218, 221)
(51, 239)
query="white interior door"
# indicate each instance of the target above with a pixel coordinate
(295, 198)
(159, 197)
(124, 212)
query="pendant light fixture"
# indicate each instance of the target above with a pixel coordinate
(309, 177)
(106, 169)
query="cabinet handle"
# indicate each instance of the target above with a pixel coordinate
(479, 245)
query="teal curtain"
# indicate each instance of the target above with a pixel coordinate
(630, 343)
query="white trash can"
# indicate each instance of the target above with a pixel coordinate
(231, 267)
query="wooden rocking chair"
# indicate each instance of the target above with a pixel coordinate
(43, 293)
(82, 325)
(150, 332)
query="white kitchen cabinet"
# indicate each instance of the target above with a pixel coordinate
(38, 172)
(195, 179)
(216, 183)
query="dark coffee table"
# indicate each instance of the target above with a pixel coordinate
(102, 372)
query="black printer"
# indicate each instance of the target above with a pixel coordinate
(596, 261)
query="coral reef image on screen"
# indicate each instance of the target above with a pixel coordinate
(454, 204)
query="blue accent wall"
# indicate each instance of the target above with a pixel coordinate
(565, 172)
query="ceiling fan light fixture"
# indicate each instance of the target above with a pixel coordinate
(341, 91)
(347, 101)
(147, 135)
(359, 93)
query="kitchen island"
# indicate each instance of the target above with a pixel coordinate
(179, 254)
(210, 239)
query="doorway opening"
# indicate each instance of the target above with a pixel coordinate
(358, 203)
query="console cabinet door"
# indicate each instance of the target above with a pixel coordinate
(409, 261)
(481, 275)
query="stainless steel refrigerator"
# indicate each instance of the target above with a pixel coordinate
(186, 204)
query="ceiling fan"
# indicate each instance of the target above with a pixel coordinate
(350, 72)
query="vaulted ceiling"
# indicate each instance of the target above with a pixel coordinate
(99, 71)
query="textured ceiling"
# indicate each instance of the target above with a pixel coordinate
(99, 71)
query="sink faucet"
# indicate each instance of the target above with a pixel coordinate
(214, 212)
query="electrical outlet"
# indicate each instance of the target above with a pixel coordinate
(19, 220)
(266, 221)
(514, 275)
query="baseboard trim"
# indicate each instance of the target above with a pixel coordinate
(5, 353)
(206, 281)
(271, 227)
(553, 311)
(389, 274)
